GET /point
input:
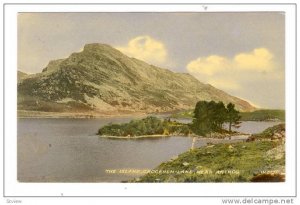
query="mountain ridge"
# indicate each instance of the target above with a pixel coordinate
(102, 79)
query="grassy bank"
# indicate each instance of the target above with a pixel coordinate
(188, 114)
(263, 115)
(258, 115)
(237, 162)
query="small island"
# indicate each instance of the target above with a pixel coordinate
(208, 120)
(150, 126)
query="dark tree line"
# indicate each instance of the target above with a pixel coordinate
(210, 116)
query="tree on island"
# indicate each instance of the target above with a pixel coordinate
(220, 115)
(210, 116)
(233, 116)
(201, 122)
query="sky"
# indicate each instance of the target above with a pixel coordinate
(240, 53)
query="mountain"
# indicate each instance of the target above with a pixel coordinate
(101, 79)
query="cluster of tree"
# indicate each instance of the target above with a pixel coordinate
(210, 116)
(148, 126)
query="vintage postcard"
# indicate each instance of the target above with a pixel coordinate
(152, 97)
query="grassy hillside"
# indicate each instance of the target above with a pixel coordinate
(263, 115)
(236, 162)
(258, 115)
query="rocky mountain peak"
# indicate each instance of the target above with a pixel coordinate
(102, 79)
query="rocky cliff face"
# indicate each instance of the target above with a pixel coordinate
(102, 79)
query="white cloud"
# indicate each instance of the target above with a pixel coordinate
(146, 48)
(259, 59)
(209, 65)
(230, 73)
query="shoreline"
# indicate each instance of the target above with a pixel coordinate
(67, 115)
(244, 135)
(24, 114)
(28, 114)
(138, 137)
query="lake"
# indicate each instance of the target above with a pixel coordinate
(68, 150)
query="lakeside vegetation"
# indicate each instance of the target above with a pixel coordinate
(258, 115)
(259, 160)
(184, 114)
(148, 126)
(209, 117)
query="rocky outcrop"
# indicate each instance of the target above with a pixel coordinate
(275, 133)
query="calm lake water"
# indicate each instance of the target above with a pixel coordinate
(68, 150)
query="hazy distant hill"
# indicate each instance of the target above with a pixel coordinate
(21, 75)
(102, 79)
